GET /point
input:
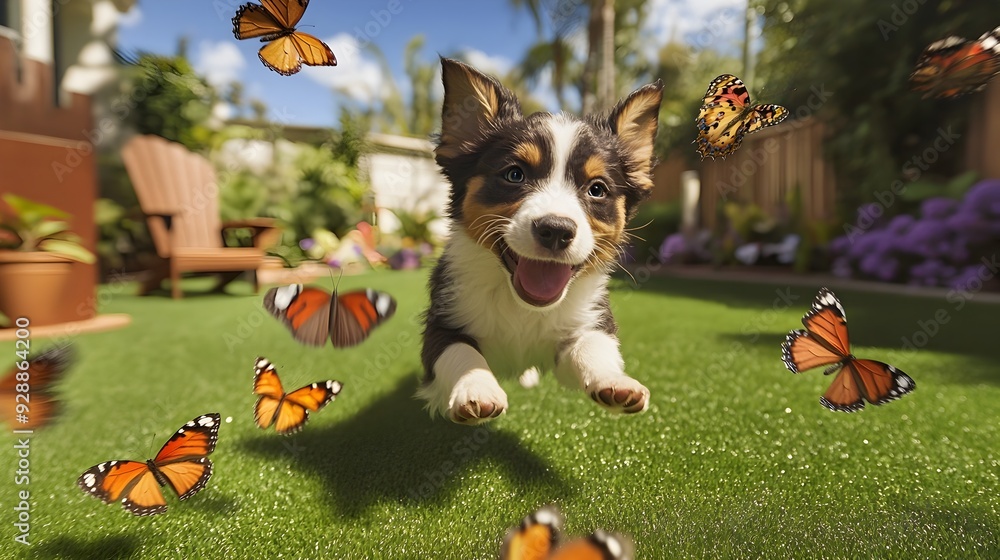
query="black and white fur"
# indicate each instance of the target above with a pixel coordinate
(545, 188)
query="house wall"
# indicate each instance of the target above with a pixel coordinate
(404, 176)
(45, 156)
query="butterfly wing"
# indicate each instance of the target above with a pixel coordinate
(183, 460)
(359, 312)
(268, 386)
(825, 340)
(874, 381)
(286, 54)
(130, 482)
(535, 538)
(844, 394)
(801, 352)
(598, 546)
(953, 66)
(312, 51)
(295, 409)
(287, 12)
(723, 119)
(305, 311)
(281, 56)
(253, 20)
(44, 371)
(765, 116)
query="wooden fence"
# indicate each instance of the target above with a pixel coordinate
(775, 160)
(767, 167)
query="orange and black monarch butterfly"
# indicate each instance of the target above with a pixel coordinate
(314, 315)
(287, 411)
(537, 538)
(274, 22)
(954, 66)
(39, 376)
(825, 342)
(182, 463)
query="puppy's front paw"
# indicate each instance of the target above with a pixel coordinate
(620, 394)
(476, 398)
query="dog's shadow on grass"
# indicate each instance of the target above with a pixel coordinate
(111, 548)
(393, 451)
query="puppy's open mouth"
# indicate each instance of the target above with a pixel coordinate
(537, 282)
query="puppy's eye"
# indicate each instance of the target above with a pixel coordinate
(598, 190)
(514, 175)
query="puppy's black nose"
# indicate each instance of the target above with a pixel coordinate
(554, 232)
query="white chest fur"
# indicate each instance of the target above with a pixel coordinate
(512, 335)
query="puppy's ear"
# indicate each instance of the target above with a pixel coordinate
(474, 104)
(634, 121)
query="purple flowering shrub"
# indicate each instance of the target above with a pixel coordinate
(943, 245)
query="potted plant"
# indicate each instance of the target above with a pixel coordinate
(37, 252)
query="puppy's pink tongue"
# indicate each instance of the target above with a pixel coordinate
(542, 281)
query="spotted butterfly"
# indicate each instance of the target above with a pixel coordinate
(954, 66)
(727, 116)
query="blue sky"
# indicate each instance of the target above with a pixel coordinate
(489, 34)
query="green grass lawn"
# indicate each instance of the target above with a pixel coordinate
(735, 458)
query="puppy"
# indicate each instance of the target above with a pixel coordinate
(538, 207)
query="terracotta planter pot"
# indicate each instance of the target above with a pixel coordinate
(32, 285)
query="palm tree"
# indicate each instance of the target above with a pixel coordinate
(555, 52)
(423, 108)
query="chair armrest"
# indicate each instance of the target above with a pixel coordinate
(266, 231)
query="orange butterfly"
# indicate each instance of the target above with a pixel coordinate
(954, 66)
(35, 406)
(537, 536)
(287, 411)
(825, 342)
(275, 21)
(313, 315)
(182, 463)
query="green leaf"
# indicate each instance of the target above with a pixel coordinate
(49, 228)
(32, 212)
(68, 249)
(959, 185)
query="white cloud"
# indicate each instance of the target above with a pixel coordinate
(544, 93)
(220, 63)
(131, 18)
(496, 65)
(702, 24)
(355, 75)
(500, 66)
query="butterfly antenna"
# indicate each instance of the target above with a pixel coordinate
(149, 448)
(336, 282)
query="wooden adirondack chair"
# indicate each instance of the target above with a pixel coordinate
(177, 191)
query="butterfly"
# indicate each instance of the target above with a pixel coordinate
(181, 463)
(274, 22)
(726, 116)
(954, 66)
(825, 343)
(287, 411)
(538, 535)
(37, 404)
(313, 315)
